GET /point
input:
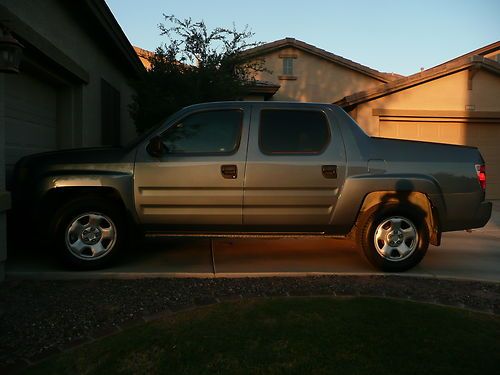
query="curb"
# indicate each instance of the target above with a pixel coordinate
(61, 276)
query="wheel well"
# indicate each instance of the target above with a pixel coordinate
(58, 197)
(412, 200)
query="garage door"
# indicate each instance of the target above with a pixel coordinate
(30, 118)
(485, 136)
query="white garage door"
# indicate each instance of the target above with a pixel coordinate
(485, 136)
(30, 117)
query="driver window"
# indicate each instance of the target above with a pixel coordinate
(209, 132)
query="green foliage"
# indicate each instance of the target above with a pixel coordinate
(196, 65)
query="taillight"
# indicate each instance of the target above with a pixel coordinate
(481, 175)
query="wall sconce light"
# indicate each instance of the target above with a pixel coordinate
(10, 52)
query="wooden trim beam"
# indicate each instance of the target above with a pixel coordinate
(382, 112)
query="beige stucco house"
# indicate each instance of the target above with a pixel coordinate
(73, 87)
(455, 102)
(302, 72)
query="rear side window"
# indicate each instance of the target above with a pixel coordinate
(293, 132)
(210, 132)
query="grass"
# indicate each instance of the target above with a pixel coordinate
(297, 336)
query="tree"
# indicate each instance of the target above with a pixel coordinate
(197, 65)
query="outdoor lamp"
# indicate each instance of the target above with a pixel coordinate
(10, 52)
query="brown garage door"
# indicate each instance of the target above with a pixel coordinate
(485, 136)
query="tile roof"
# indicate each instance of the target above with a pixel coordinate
(265, 88)
(291, 42)
(450, 67)
(487, 49)
(144, 56)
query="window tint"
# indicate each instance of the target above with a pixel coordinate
(293, 132)
(205, 132)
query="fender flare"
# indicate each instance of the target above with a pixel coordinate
(362, 192)
(120, 183)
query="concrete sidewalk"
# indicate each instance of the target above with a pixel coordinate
(469, 255)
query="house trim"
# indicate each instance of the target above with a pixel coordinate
(430, 113)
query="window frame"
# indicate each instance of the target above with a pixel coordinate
(291, 65)
(220, 153)
(306, 153)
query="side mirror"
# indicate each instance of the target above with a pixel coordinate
(156, 147)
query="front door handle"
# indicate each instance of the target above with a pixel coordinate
(229, 171)
(329, 171)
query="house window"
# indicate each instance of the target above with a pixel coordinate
(288, 66)
(110, 115)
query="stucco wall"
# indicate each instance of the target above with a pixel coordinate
(318, 80)
(447, 93)
(53, 21)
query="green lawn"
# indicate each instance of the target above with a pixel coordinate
(297, 336)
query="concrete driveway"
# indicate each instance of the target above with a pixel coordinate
(474, 255)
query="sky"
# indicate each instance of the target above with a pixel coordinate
(388, 35)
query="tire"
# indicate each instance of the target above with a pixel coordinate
(394, 238)
(89, 232)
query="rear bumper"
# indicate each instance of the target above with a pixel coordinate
(465, 211)
(482, 216)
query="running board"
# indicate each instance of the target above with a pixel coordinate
(243, 235)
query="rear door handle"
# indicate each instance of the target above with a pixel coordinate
(329, 171)
(229, 171)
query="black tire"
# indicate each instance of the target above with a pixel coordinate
(108, 227)
(385, 255)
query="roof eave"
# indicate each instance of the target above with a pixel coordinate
(418, 79)
(107, 20)
(266, 90)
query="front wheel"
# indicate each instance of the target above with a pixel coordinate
(89, 232)
(393, 239)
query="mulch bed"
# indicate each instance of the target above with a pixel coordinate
(40, 318)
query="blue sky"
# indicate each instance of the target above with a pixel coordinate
(391, 36)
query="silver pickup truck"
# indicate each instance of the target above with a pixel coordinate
(255, 169)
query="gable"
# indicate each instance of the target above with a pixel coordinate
(314, 78)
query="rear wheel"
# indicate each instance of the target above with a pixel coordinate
(89, 232)
(393, 239)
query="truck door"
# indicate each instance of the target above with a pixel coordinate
(295, 167)
(199, 178)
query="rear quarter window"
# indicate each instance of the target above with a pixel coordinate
(284, 132)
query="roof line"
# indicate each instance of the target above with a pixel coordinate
(419, 78)
(108, 21)
(292, 42)
(492, 47)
